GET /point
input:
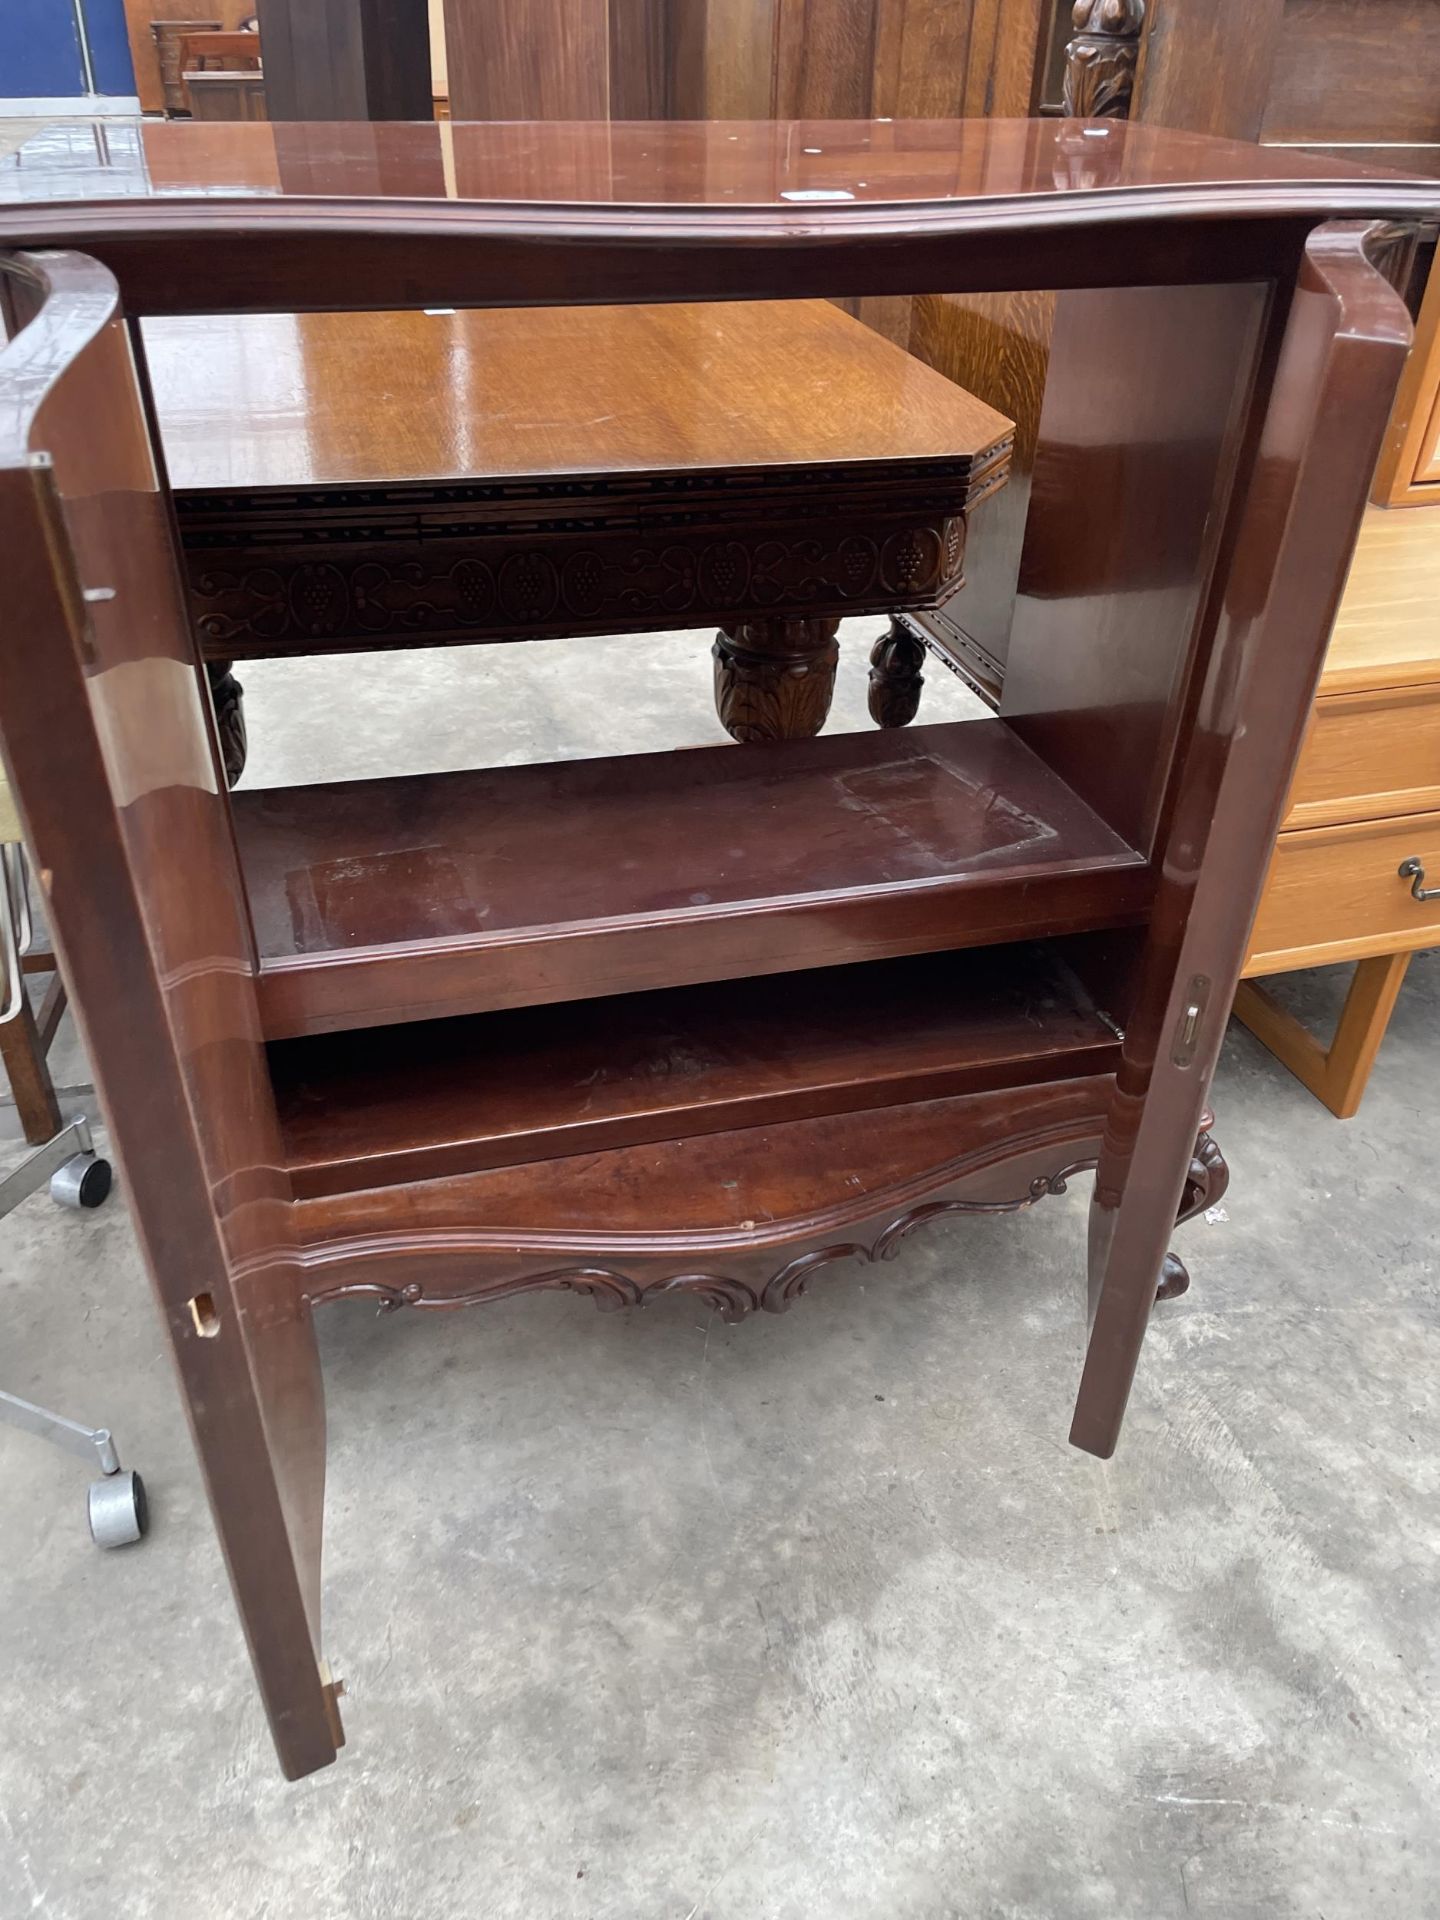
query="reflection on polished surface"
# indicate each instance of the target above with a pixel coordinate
(801, 165)
(332, 399)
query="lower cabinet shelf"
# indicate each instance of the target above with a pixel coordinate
(452, 1097)
(399, 900)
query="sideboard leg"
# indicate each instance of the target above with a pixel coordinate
(1205, 1183)
(229, 698)
(774, 678)
(895, 677)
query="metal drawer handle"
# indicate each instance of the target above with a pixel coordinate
(1414, 872)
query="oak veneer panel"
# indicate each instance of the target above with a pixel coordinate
(932, 57)
(1407, 473)
(824, 59)
(1387, 633)
(1368, 755)
(497, 1089)
(528, 59)
(1428, 470)
(281, 400)
(723, 58)
(1356, 70)
(1335, 893)
(1207, 65)
(383, 900)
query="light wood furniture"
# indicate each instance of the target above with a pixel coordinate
(734, 1120)
(1408, 471)
(154, 34)
(201, 47)
(167, 36)
(763, 468)
(226, 94)
(25, 1035)
(1365, 803)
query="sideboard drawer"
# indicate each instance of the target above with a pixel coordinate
(1336, 893)
(1369, 756)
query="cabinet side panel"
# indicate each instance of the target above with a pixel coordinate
(1144, 403)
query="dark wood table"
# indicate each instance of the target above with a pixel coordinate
(350, 481)
(608, 1048)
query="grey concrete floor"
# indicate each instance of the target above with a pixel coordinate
(647, 1616)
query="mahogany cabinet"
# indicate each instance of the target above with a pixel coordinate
(937, 972)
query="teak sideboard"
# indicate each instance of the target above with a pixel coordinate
(1356, 870)
(918, 974)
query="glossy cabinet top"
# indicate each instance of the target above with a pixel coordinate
(807, 171)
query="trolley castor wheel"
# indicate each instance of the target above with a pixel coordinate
(81, 1182)
(119, 1514)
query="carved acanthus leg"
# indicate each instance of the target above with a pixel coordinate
(1100, 60)
(895, 677)
(1205, 1183)
(774, 678)
(229, 698)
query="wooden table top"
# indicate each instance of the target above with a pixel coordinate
(322, 399)
(1387, 633)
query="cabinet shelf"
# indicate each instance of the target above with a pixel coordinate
(452, 1097)
(406, 899)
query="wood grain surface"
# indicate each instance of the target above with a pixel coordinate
(739, 59)
(1335, 893)
(284, 400)
(453, 1096)
(1387, 633)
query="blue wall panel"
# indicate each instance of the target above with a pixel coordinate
(40, 54)
(39, 50)
(109, 45)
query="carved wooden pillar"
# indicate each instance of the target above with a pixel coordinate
(1100, 60)
(774, 678)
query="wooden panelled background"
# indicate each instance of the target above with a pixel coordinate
(806, 59)
(1331, 74)
(740, 59)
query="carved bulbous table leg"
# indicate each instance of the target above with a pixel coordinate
(1100, 61)
(1205, 1183)
(774, 678)
(895, 677)
(229, 698)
